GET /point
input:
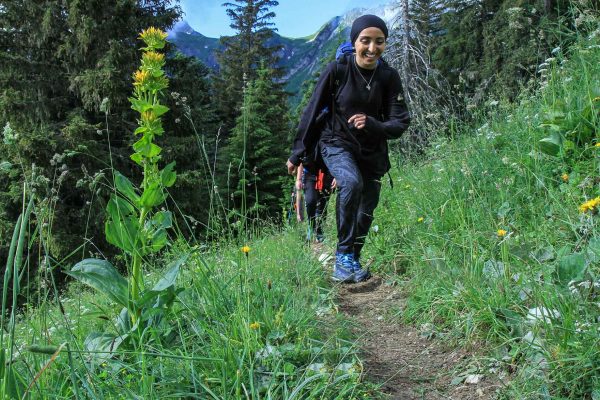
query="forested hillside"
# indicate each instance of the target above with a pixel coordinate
(146, 243)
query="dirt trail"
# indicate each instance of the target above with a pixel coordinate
(401, 359)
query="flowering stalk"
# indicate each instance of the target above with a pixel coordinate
(149, 82)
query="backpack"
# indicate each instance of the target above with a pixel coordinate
(312, 160)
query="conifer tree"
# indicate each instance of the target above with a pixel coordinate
(65, 75)
(244, 52)
(257, 149)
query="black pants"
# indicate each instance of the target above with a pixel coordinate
(316, 200)
(358, 196)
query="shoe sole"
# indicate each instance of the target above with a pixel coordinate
(350, 279)
(366, 278)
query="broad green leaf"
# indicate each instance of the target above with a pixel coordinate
(102, 276)
(147, 149)
(170, 276)
(551, 145)
(168, 175)
(141, 129)
(126, 188)
(155, 230)
(103, 345)
(122, 233)
(160, 109)
(166, 285)
(122, 227)
(571, 267)
(137, 158)
(152, 196)
(118, 207)
(139, 105)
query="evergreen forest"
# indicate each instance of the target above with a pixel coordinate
(149, 245)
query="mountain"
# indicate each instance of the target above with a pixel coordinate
(300, 57)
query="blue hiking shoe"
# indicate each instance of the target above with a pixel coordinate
(343, 271)
(360, 274)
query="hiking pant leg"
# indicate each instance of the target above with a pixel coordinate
(343, 166)
(311, 198)
(368, 203)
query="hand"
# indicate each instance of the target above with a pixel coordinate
(333, 184)
(359, 120)
(291, 167)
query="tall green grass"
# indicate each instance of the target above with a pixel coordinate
(488, 231)
(246, 325)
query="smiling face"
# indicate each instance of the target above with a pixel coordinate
(369, 47)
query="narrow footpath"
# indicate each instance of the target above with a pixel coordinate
(407, 363)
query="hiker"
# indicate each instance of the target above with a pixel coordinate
(367, 109)
(317, 189)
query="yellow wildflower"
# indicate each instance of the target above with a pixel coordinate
(254, 325)
(565, 177)
(140, 77)
(149, 116)
(154, 37)
(501, 233)
(597, 144)
(245, 249)
(420, 219)
(152, 57)
(590, 205)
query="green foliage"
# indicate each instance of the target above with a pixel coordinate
(500, 249)
(255, 149)
(233, 325)
(244, 53)
(132, 225)
(492, 47)
(67, 79)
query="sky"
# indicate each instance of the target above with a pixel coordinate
(294, 18)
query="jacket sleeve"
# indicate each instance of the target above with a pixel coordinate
(396, 117)
(305, 134)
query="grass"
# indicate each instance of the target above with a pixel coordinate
(243, 327)
(487, 230)
(484, 230)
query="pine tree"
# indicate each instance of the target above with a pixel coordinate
(65, 71)
(244, 52)
(256, 149)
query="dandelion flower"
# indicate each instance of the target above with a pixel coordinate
(420, 219)
(245, 249)
(254, 325)
(501, 233)
(597, 144)
(590, 205)
(565, 177)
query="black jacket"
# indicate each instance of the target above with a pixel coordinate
(387, 114)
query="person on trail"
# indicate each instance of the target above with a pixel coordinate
(317, 188)
(367, 109)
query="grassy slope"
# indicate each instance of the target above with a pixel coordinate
(251, 325)
(441, 223)
(256, 317)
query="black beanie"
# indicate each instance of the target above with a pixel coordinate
(364, 22)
